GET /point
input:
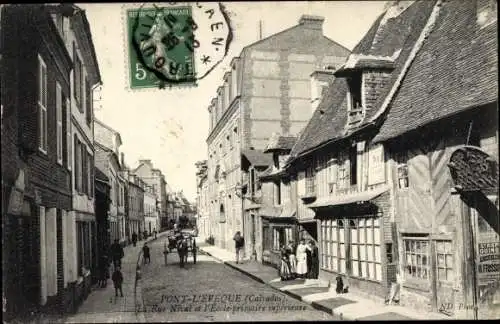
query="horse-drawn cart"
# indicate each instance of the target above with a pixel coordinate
(185, 243)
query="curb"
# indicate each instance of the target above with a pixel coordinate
(314, 304)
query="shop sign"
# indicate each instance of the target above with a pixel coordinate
(488, 267)
(376, 165)
(473, 169)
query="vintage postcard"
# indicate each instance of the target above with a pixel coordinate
(249, 161)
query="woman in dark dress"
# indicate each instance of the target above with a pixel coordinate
(314, 269)
(309, 260)
(284, 271)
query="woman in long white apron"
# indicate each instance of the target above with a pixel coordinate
(301, 256)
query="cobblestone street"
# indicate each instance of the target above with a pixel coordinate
(212, 291)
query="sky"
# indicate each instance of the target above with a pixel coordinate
(170, 126)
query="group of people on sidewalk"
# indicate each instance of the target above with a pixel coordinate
(135, 237)
(299, 262)
(116, 252)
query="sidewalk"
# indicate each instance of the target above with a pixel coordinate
(349, 306)
(101, 306)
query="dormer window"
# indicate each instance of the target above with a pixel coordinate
(354, 101)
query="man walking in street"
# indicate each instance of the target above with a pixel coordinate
(134, 238)
(117, 253)
(238, 244)
(145, 253)
(117, 278)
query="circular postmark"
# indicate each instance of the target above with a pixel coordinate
(179, 43)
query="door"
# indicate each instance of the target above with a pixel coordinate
(444, 275)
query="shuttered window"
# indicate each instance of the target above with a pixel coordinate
(42, 105)
(59, 129)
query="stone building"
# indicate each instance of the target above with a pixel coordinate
(135, 205)
(387, 168)
(202, 204)
(43, 256)
(155, 178)
(107, 144)
(267, 90)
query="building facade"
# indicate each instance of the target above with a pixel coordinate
(202, 203)
(40, 233)
(267, 90)
(388, 167)
(150, 209)
(155, 178)
(135, 206)
(107, 144)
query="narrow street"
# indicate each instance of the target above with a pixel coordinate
(212, 291)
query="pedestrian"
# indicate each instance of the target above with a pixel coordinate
(284, 272)
(308, 261)
(292, 260)
(145, 253)
(145, 234)
(116, 253)
(134, 238)
(238, 244)
(117, 281)
(154, 232)
(103, 272)
(301, 259)
(314, 269)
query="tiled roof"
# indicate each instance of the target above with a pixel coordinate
(456, 69)
(257, 157)
(280, 142)
(397, 34)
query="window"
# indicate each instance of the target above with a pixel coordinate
(416, 252)
(253, 187)
(77, 79)
(42, 105)
(310, 181)
(402, 170)
(78, 164)
(343, 171)
(59, 129)
(68, 154)
(354, 83)
(90, 176)
(277, 193)
(88, 102)
(84, 246)
(332, 175)
(389, 253)
(85, 168)
(361, 237)
(353, 162)
(444, 254)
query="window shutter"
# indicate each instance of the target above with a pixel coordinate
(84, 169)
(76, 163)
(68, 134)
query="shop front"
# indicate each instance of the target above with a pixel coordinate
(351, 242)
(475, 177)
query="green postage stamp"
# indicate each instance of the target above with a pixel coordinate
(175, 45)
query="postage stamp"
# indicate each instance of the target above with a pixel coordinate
(175, 44)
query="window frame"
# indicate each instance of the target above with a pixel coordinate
(42, 103)
(310, 180)
(448, 267)
(77, 78)
(68, 135)
(408, 277)
(59, 124)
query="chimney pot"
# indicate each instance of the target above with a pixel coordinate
(312, 22)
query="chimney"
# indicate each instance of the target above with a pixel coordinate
(312, 22)
(320, 79)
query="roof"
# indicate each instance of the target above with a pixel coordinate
(280, 142)
(395, 38)
(456, 69)
(257, 157)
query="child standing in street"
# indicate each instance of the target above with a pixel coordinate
(117, 278)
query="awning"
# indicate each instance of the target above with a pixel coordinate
(348, 198)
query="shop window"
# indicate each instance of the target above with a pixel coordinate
(444, 255)
(281, 236)
(416, 251)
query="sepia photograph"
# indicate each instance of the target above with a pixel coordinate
(242, 161)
